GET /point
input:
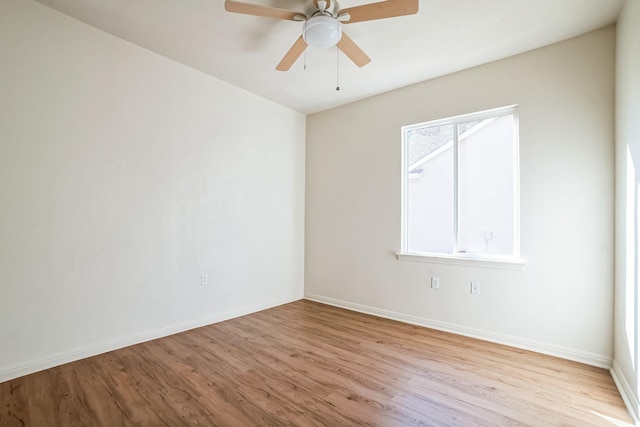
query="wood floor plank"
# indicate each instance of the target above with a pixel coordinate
(309, 364)
(14, 411)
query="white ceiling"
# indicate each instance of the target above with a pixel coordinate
(445, 36)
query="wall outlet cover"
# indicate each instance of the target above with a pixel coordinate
(475, 288)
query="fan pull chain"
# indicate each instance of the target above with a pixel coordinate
(337, 68)
(304, 36)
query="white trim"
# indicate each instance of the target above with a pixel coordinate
(516, 174)
(585, 357)
(404, 188)
(502, 264)
(53, 360)
(479, 115)
(630, 400)
(455, 238)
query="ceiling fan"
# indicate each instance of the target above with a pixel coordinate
(323, 21)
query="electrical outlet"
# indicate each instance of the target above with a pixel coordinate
(435, 282)
(204, 279)
(475, 288)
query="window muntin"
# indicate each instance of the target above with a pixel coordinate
(460, 186)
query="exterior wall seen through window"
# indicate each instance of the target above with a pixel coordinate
(461, 185)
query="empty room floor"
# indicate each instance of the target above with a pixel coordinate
(309, 364)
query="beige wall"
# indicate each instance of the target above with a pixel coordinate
(626, 368)
(123, 177)
(562, 302)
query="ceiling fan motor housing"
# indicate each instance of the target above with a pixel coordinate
(322, 31)
(331, 7)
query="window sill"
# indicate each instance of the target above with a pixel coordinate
(467, 261)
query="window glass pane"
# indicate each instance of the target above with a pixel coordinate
(486, 186)
(430, 192)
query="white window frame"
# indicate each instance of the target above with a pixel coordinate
(510, 262)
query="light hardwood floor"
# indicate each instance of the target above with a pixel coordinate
(308, 364)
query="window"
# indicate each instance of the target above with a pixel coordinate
(460, 186)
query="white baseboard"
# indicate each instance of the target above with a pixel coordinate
(593, 359)
(51, 361)
(629, 398)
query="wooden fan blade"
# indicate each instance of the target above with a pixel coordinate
(380, 10)
(351, 49)
(268, 12)
(294, 53)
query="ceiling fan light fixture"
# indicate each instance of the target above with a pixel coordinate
(322, 31)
